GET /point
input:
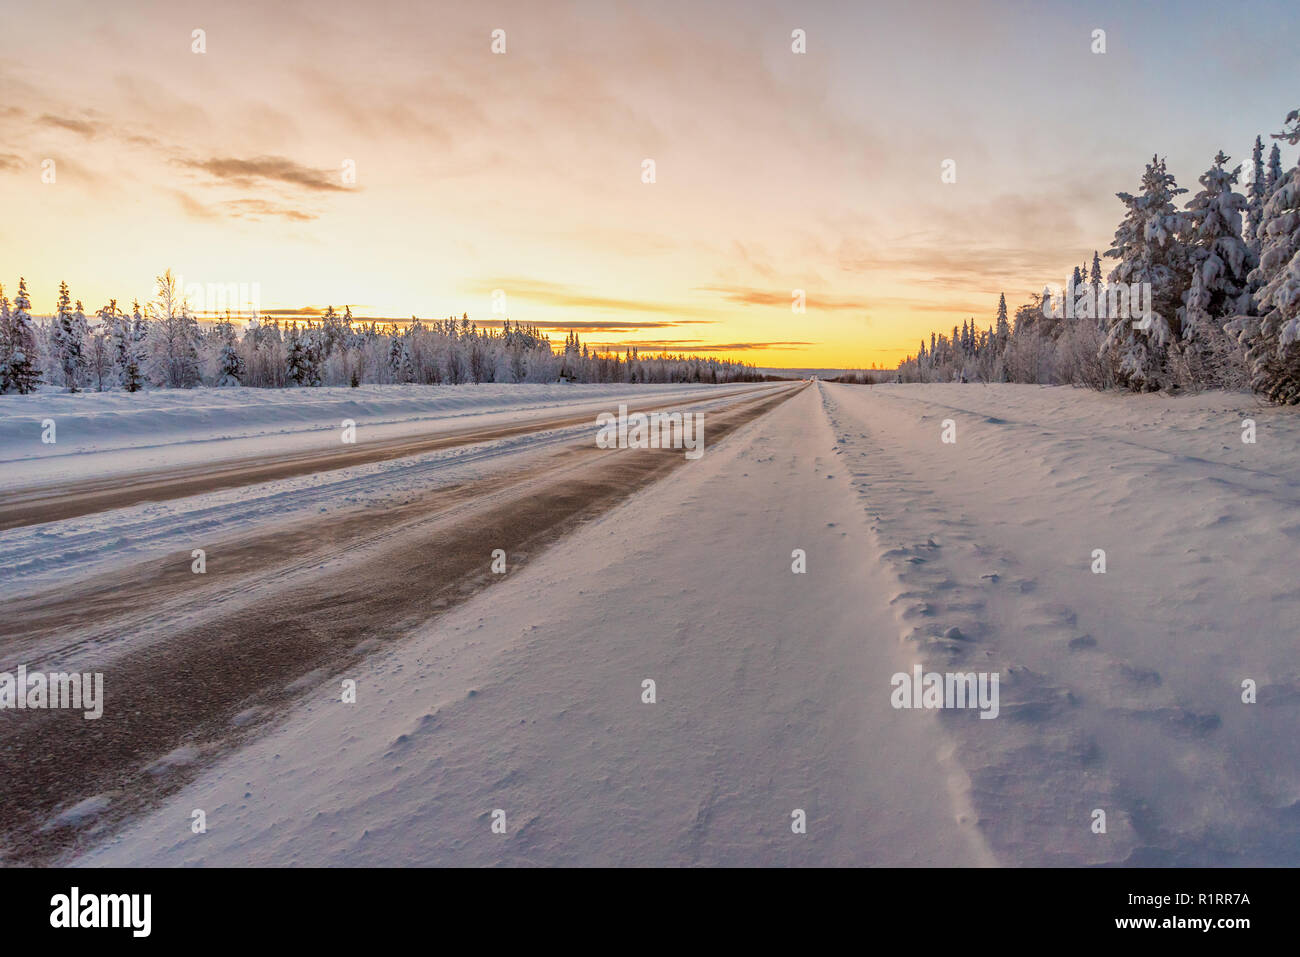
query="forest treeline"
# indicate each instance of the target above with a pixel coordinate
(164, 345)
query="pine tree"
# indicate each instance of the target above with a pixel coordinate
(23, 373)
(6, 343)
(69, 340)
(1003, 327)
(1149, 252)
(1273, 176)
(1255, 196)
(1219, 260)
(232, 366)
(125, 354)
(1271, 339)
(399, 360)
(109, 327)
(139, 325)
(1096, 279)
(298, 359)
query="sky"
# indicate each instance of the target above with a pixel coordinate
(521, 174)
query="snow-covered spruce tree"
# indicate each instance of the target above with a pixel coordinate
(298, 359)
(172, 343)
(1273, 175)
(1255, 197)
(1096, 279)
(1002, 335)
(68, 340)
(1217, 291)
(126, 353)
(399, 359)
(1149, 251)
(108, 366)
(232, 368)
(139, 325)
(6, 343)
(23, 373)
(1271, 338)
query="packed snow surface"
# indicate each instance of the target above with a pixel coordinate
(1123, 691)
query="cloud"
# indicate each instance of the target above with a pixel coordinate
(192, 207)
(758, 297)
(694, 345)
(596, 325)
(278, 169)
(248, 208)
(11, 162)
(261, 209)
(555, 294)
(300, 311)
(82, 127)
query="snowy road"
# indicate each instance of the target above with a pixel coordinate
(289, 592)
(1121, 691)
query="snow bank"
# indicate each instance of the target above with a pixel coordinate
(105, 433)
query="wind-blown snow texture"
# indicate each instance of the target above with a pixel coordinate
(1120, 691)
(104, 433)
(96, 433)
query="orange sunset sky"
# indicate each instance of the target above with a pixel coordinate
(522, 171)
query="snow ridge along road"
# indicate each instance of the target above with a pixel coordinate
(231, 464)
(1122, 691)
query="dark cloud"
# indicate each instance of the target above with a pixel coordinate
(11, 162)
(82, 127)
(278, 169)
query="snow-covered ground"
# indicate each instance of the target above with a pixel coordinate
(38, 556)
(100, 434)
(1120, 692)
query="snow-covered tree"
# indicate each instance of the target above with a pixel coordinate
(126, 352)
(1271, 338)
(1218, 256)
(232, 369)
(173, 337)
(301, 358)
(6, 342)
(139, 325)
(22, 373)
(108, 319)
(1273, 175)
(1149, 251)
(400, 363)
(1255, 196)
(100, 358)
(68, 339)
(1096, 279)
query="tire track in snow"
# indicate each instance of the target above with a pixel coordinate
(215, 681)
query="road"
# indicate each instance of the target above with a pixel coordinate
(829, 540)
